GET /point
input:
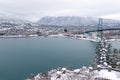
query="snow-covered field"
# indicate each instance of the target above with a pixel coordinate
(78, 74)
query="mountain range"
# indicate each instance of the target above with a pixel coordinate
(77, 21)
(65, 21)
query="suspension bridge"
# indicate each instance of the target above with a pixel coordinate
(100, 29)
(109, 29)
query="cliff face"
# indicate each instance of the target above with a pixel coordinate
(77, 74)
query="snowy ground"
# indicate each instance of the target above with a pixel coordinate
(78, 74)
(113, 75)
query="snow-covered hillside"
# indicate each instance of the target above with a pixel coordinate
(62, 21)
(15, 22)
(77, 21)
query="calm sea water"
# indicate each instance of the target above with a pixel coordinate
(19, 57)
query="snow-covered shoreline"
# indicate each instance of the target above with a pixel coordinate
(58, 35)
(89, 39)
(83, 73)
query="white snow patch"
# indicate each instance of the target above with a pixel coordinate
(79, 74)
(113, 75)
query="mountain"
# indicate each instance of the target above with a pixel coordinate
(14, 22)
(63, 21)
(77, 21)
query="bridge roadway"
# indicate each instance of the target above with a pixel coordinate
(110, 29)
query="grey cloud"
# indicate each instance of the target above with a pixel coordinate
(34, 9)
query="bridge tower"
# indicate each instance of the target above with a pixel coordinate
(102, 52)
(101, 58)
(100, 25)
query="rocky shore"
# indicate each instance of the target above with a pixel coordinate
(83, 73)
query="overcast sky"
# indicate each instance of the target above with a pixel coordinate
(35, 9)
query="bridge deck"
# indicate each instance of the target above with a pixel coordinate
(102, 30)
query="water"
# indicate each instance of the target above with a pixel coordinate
(19, 57)
(116, 44)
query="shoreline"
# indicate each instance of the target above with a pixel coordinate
(59, 35)
(83, 73)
